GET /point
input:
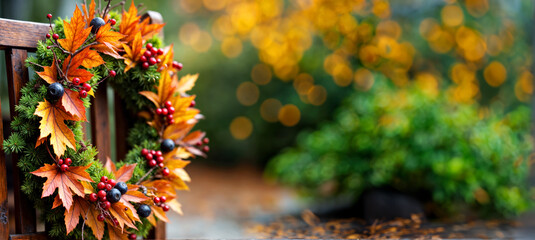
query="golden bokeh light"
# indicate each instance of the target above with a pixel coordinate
(189, 33)
(364, 79)
(524, 86)
(302, 83)
(247, 93)
(317, 95)
(461, 73)
(203, 43)
(495, 74)
(289, 115)
(389, 28)
(214, 5)
(430, 29)
(269, 110)
(428, 83)
(342, 75)
(477, 8)
(452, 15)
(261, 74)
(190, 6)
(241, 128)
(231, 47)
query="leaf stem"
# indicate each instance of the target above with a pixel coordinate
(144, 176)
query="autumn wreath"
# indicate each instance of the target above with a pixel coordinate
(72, 189)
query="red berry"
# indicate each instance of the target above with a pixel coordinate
(112, 73)
(206, 149)
(158, 60)
(101, 185)
(76, 81)
(60, 162)
(64, 167)
(154, 51)
(171, 110)
(159, 111)
(170, 116)
(152, 163)
(163, 199)
(152, 61)
(158, 153)
(161, 165)
(192, 104)
(68, 161)
(113, 21)
(144, 151)
(206, 140)
(159, 159)
(153, 152)
(160, 51)
(149, 46)
(106, 205)
(168, 104)
(100, 217)
(49, 16)
(165, 207)
(132, 236)
(171, 121)
(103, 199)
(104, 179)
(55, 36)
(101, 194)
(86, 87)
(108, 187)
(115, 222)
(179, 66)
(145, 65)
(112, 182)
(148, 156)
(83, 94)
(48, 35)
(147, 54)
(164, 111)
(198, 144)
(143, 58)
(156, 200)
(165, 172)
(93, 197)
(48, 47)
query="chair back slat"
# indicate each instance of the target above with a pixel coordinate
(17, 76)
(20, 34)
(100, 127)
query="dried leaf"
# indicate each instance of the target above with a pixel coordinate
(116, 233)
(117, 210)
(133, 52)
(49, 74)
(66, 182)
(125, 172)
(75, 32)
(73, 104)
(187, 82)
(52, 123)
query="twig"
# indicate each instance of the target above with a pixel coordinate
(83, 224)
(122, 3)
(51, 154)
(107, 9)
(144, 176)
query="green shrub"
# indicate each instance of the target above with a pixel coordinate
(456, 155)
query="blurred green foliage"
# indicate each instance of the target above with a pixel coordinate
(419, 144)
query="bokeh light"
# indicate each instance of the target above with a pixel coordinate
(241, 128)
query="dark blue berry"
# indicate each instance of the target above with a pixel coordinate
(113, 195)
(167, 145)
(96, 23)
(55, 92)
(122, 187)
(143, 210)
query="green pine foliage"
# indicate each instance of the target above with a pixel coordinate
(431, 147)
(25, 132)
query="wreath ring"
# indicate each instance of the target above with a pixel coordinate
(63, 177)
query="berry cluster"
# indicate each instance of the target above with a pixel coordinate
(109, 191)
(155, 158)
(204, 142)
(64, 164)
(167, 112)
(149, 58)
(160, 202)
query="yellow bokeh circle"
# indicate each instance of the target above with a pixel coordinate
(247, 93)
(495, 74)
(269, 110)
(241, 128)
(289, 115)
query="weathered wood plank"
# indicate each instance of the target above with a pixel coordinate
(100, 122)
(158, 232)
(123, 121)
(21, 34)
(29, 236)
(4, 213)
(17, 75)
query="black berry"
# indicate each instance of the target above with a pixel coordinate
(167, 145)
(143, 210)
(122, 187)
(96, 23)
(55, 92)
(113, 195)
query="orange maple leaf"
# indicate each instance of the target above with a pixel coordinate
(67, 182)
(49, 74)
(129, 23)
(116, 233)
(148, 30)
(82, 208)
(75, 32)
(86, 57)
(117, 210)
(133, 52)
(123, 174)
(89, 15)
(53, 124)
(105, 34)
(186, 83)
(73, 104)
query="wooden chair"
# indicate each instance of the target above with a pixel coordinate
(17, 38)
